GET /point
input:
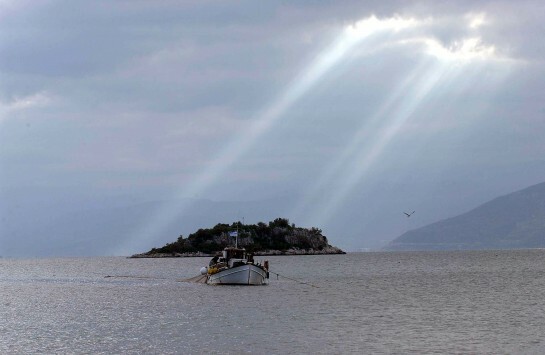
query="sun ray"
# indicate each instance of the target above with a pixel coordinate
(352, 35)
(358, 158)
(385, 125)
(347, 154)
(391, 123)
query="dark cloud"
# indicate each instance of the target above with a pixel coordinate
(146, 96)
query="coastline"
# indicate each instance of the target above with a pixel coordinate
(292, 251)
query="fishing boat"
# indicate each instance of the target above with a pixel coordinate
(235, 267)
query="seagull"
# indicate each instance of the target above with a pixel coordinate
(409, 214)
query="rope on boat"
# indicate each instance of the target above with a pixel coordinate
(199, 279)
(196, 279)
(137, 277)
(289, 278)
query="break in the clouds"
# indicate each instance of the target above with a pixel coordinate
(326, 103)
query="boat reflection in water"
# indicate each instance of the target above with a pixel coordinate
(236, 267)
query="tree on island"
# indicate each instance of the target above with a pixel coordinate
(277, 235)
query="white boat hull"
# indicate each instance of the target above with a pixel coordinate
(240, 275)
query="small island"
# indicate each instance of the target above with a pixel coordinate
(277, 237)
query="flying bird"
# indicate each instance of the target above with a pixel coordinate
(409, 214)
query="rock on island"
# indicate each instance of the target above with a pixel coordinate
(277, 237)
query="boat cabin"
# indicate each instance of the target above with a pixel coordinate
(234, 253)
(233, 257)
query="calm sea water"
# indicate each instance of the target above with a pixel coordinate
(414, 302)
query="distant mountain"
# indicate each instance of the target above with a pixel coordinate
(516, 220)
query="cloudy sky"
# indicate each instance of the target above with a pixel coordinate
(352, 111)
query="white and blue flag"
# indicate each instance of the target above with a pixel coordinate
(233, 234)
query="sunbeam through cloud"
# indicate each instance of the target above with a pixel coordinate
(385, 123)
(447, 66)
(352, 35)
(125, 125)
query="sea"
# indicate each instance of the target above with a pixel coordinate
(483, 302)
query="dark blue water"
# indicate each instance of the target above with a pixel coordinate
(415, 302)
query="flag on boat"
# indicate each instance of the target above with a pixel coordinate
(233, 234)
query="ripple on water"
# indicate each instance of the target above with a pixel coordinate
(466, 302)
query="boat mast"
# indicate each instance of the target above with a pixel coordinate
(236, 238)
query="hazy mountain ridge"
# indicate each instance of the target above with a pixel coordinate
(516, 220)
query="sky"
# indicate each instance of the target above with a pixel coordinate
(340, 115)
